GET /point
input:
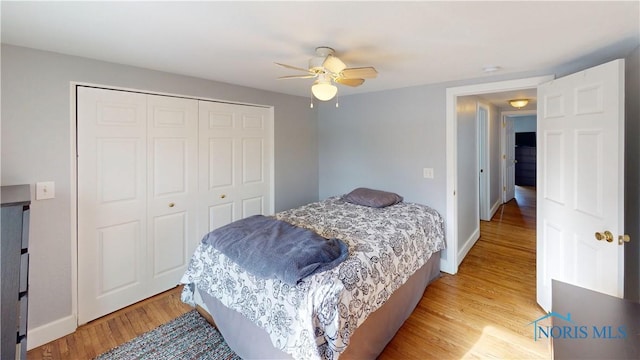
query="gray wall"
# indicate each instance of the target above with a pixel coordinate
(632, 176)
(467, 188)
(36, 147)
(383, 140)
(524, 123)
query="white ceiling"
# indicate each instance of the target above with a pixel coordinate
(409, 43)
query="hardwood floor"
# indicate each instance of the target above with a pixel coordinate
(481, 312)
(100, 335)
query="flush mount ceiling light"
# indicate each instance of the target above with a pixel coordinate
(491, 68)
(519, 103)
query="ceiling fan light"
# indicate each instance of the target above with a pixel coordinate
(519, 103)
(324, 90)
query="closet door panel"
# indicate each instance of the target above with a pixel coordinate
(236, 143)
(112, 165)
(220, 163)
(218, 156)
(172, 188)
(118, 269)
(254, 163)
(218, 215)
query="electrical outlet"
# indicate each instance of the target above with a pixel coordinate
(45, 190)
(427, 173)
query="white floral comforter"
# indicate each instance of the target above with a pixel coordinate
(315, 318)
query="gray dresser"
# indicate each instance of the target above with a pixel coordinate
(14, 279)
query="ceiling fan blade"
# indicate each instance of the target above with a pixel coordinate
(368, 72)
(310, 76)
(333, 64)
(350, 81)
(293, 67)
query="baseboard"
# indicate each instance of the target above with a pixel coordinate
(494, 208)
(447, 266)
(468, 244)
(51, 331)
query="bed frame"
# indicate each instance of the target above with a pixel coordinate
(369, 340)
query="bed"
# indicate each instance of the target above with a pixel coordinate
(350, 311)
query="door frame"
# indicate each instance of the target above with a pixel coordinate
(503, 142)
(484, 162)
(71, 324)
(449, 261)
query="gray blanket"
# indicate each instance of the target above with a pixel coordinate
(271, 248)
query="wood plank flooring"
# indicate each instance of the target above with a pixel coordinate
(100, 335)
(481, 312)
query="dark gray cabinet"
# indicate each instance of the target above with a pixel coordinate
(14, 279)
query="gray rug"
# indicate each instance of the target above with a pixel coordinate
(188, 337)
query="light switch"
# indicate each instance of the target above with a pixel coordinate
(45, 190)
(427, 173)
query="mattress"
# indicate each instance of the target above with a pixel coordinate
(251, 342)
(316, 318)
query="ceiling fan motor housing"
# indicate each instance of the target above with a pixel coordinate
(316, 62)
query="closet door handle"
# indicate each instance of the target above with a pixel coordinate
(172, 204)
(223, 196)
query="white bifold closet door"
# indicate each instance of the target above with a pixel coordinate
(235, 163)
(137, 196)
(155, 174)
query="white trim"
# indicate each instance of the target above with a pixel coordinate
(51, 331)
(149, 92)
(484, 145)
(450, 265)
(272, 156)
(495, 207)
(468, 244)
(73, 195)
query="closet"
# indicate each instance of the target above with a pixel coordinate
(154, 174)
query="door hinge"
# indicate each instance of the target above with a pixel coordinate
(504, 124)
(504, 188)
(504, 156)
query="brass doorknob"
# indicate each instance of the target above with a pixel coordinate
(172, 204)
(223, 196)
(607, 235)
(623, 239)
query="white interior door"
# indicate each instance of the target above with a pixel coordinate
(509, 159)
(112, 241)
(235, 155)
(580, 181)
(172, 189)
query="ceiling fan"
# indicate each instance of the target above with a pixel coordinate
(327, 69)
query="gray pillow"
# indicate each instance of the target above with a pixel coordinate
(372, 198)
